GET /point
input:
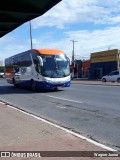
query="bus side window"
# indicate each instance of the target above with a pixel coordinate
(15, 64)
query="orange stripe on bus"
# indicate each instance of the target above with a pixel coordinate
(49, 51)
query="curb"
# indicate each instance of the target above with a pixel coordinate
(93, 83)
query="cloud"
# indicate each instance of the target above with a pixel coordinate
(78, 11)
(10, 45)
(6, 39)
(96, 40)
(103, 14)
(87, 41)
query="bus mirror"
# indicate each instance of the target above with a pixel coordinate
(69, 60)
(40, 60)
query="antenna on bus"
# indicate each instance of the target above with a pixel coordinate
(31, 35)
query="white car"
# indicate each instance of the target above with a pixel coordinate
(1, 75)
(113, 76)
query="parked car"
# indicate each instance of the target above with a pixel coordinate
(113, 76)
(2, 75)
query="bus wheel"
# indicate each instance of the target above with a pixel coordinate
(103, 80)
(33, 85)
(118, 80)
(55, 89)
(14, 82)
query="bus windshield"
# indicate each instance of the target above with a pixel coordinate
(55, 66)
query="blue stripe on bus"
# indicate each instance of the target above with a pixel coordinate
(44, 85)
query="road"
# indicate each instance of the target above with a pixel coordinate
(93, 111)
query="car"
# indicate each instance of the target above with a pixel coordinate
(113, 76)
(2, 75)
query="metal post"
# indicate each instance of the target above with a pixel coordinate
(73, 56)
(31, 35)
(31, 44)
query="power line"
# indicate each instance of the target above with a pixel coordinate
(98, 34)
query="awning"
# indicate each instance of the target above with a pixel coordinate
(14, 13)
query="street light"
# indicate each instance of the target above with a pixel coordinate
(31, 35)
(31, 43)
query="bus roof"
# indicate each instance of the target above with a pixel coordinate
(40, 51)
(49, 51)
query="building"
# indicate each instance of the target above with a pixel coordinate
(85, 68)
(80, 68)
(76, 69)
(101, 63)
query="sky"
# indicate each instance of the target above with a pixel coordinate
(93, 24)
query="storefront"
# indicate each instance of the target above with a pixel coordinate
(101, 63)
(85, 68)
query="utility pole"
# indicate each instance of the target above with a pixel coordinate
(73, 56)
(73, 53)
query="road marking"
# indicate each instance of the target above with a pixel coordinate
(62, 107)
(2, 102)
(64, 129)
(62, 98)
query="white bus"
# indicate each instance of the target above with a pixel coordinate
(38, 69)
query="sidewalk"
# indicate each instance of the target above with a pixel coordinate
(23, 132)
(93, 82)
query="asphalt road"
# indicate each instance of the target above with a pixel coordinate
(93, 111)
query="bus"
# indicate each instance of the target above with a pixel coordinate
(38, 69)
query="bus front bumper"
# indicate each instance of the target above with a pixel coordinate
(48, 85)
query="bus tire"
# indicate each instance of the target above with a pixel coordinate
(103, 80)
(33, 85)
(14, 82)
(55, 89)
(118, 80)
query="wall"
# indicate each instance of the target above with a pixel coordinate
(85, 68)
(101, 63)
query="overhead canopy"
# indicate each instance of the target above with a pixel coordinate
(13, 13)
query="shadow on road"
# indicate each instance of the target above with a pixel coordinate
(10, 89)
